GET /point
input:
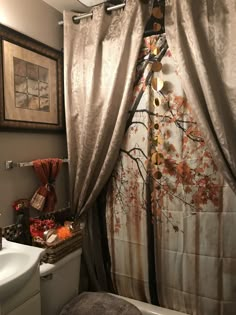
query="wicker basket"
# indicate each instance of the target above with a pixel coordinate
(61, 248)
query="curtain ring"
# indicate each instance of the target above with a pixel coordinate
(107, 5)
(75, 21)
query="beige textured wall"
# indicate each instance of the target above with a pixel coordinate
(34, 18)
(39, 21)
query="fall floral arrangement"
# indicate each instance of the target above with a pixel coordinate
(41, 230)
(38, 227)
(21, 206)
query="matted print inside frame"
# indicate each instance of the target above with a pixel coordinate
(30, 83)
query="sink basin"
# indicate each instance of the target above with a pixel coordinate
(17, 263)
(8, 266)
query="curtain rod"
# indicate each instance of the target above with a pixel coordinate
(10, 164)
(86, 15)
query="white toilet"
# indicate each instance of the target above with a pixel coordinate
(59, 283)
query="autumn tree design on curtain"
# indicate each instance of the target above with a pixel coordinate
(166, 168)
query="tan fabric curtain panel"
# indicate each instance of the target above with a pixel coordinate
(201, 36)
(100, 58)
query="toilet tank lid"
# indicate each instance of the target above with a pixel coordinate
(46, 268)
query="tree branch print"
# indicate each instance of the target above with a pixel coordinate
(160, 142)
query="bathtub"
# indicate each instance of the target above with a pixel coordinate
(148, 309)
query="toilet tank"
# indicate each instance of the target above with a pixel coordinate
(59, 283)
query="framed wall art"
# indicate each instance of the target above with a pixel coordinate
(31, 84)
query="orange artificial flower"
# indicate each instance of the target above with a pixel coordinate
(63, 233)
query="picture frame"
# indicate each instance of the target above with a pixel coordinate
(31, 84)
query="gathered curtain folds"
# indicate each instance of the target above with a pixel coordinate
(201, 35)
(100, 57)
(45, 199)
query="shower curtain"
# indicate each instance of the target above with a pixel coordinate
(100, 56)
(167, 198)
(170, 215)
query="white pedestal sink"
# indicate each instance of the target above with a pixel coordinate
(17, 264)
